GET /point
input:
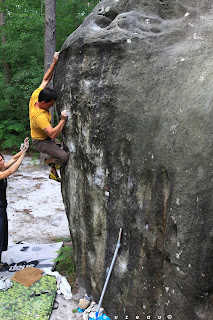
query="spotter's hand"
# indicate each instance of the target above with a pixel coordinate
(26, 143)
(25, 146)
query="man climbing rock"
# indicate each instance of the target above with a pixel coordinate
(42, 133)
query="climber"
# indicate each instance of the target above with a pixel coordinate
(6, 169)
(42, 133)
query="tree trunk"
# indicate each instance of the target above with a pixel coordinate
(6, 65)
(49, 47)
(50, 39)
(42, 4)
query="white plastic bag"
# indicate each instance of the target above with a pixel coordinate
(62, 284)
(5, 283)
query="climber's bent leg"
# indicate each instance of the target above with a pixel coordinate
(52, 149)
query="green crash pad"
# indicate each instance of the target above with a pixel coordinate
(29, 303)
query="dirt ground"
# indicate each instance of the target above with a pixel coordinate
(36, 215)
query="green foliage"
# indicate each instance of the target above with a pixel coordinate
(23, 51)
(23, 27)
(13, 130)
(35, 159)
(65, 260)
(74, 310)
(63, 239)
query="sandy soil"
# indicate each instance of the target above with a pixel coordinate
(36, 215)
(35, 207)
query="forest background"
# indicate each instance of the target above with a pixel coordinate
(22, 57)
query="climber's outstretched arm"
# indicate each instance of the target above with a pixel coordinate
(48, 75)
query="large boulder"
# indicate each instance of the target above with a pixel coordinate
(137, 80)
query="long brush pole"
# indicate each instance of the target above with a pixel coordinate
(109, 273)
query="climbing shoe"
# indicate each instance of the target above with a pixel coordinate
(57, 166)
(53, 177)
(52, 165)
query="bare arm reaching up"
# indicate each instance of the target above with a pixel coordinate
(48, 75)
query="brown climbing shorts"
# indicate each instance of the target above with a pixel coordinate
(52, 147)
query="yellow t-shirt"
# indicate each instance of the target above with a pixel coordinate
(39, 118)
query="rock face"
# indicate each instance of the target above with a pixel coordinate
(137, 80)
